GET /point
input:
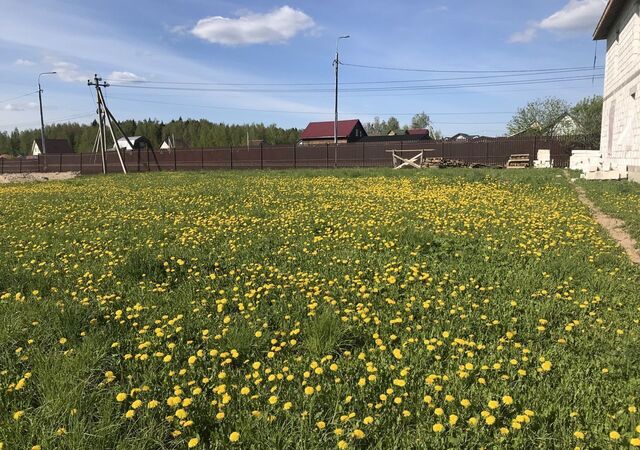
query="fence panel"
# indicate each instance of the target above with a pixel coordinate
(246, 158)
(312, 156)
(216, 158)
(278, 157)
(492, 151)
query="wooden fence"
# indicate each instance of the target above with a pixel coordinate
(493, 152)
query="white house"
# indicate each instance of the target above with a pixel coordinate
(139, 143)
(620, 139)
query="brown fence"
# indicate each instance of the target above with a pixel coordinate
(493, 152)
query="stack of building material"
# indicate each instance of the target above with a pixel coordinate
(585, 160)
(518, 161)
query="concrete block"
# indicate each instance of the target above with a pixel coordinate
(604, 175)
(634, 173)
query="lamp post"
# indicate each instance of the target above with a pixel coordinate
(335, 121)
(44, 145)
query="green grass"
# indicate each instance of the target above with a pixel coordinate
(620, 199)
(391, 294)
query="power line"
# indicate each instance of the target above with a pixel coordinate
(55, 121)
(530, 71)
(19, 96)
(194, 83)
(372, 89)
(191, 105)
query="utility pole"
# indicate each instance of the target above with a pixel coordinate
(44, 145)
(104, 116)
(335, 120)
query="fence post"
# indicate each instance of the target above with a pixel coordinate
(148, 161)
(175, 161)
(261, 157)
(1, 165)
(486, 155)
(201, 158)
(20, 165)
(60, 164)
(535, 146)
(363, 154)
(231, 155)
(327, 155)
(80, 162)
(295, 159)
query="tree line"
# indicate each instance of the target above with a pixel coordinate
(379, 127)
(193, 133)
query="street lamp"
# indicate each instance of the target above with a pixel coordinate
(335, 120)
(44, 145)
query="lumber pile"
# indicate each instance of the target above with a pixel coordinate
(518, 161)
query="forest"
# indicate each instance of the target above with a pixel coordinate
(192, 133)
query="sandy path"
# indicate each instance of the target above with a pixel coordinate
(614, 227)
(36, 176)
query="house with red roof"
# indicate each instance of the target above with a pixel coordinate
(319, 133)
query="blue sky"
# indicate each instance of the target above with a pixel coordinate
(276, 45)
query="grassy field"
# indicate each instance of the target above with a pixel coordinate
(313, 310)
(620, 199)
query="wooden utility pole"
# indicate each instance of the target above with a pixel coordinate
(105, 117)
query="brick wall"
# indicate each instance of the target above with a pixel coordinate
(620, 139)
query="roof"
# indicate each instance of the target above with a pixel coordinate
(395, 138)
(133, 139)
(55, 146)
(417, 131)
(320, 130)
(609, 16)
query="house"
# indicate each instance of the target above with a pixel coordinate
(620, 137)
(463, 137)
(418, 132)
(563, 125)
(52, 147)
(318, 133)
(396, 138)
(139, 143)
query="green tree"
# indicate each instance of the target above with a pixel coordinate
(534, 119)
(421, 120)
(392, 125)
(588, 113)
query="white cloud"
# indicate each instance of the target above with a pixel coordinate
(124, 77)
(24, 62)
(277, 26)
(576, 16)
(522, 37)
(69, 72)
(437, 9)
(20, 106)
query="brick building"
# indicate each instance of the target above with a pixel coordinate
(620, 139)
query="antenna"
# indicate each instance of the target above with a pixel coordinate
(595, 60)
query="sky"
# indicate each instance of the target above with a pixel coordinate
(270, 61)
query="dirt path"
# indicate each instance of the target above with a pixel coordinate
(614, 227)
(36, 176)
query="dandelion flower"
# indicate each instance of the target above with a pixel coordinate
(614, 435)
